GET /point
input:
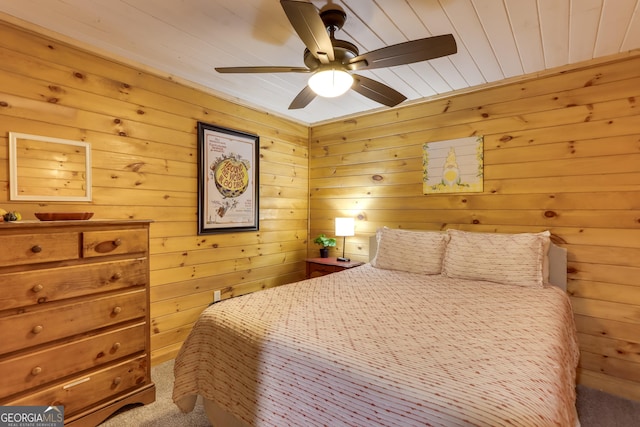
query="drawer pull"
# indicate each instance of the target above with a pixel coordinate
(116, 276)
(117, 381)
(37, 288)
(75, 383)
(36, 371)
(116, 346)
(36, 249)
(117, 242)
(37, 329)
(116, 310)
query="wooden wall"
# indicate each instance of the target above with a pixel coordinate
(562, 152)
(142, 130)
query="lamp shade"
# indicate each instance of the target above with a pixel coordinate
(345, 227)
(330, 83)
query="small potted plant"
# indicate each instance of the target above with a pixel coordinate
(326, 243)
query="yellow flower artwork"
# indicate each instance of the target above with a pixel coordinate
(453, 166)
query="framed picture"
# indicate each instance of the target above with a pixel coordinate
(228, 173)
(453, 166)
(42, 168)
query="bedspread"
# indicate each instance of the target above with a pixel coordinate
(372, 347)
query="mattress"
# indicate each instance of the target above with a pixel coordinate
(374, 347)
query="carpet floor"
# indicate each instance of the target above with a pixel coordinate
(595, 408)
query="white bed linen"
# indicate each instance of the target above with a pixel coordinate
(372, 347)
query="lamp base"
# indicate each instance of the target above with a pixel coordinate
(343, 259)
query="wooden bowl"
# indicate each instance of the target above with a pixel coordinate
(63, 216)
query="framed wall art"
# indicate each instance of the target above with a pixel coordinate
(228, 174)
(42, 168)
(453, 166)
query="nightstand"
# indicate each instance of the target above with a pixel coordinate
(320, 266)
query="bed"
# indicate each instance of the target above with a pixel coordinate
(440, 328)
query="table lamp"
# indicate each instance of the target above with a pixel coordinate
(344, 227)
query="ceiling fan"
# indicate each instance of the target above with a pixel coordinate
(332, 61)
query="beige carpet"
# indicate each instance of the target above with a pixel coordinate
(595, 408)
(162, 412)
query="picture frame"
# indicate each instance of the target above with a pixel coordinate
(43, 168)
(453, 166)
(228, 180)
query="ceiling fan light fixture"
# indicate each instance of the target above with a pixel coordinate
(330, 82)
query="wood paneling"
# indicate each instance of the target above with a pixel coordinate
(142, 130)
(562, 152)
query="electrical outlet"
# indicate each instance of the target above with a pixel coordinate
(216, 296)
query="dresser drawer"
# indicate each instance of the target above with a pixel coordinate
(113, 242)
(32, 327)
(33, 369)
(46, 285)
(85, 390)
(34, 248)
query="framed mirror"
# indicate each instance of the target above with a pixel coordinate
(48, 169)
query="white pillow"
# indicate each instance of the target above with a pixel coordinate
(514, 259)
(412, 251)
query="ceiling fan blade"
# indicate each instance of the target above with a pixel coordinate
(303, 99)
(306, 21)
(406, 53)
(262, 70)
(377, 91)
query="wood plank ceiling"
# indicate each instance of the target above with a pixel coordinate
(186, 39)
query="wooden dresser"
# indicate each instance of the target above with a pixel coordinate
(74, 316)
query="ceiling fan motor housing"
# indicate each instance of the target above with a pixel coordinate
(333, 18)
(343, 52)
